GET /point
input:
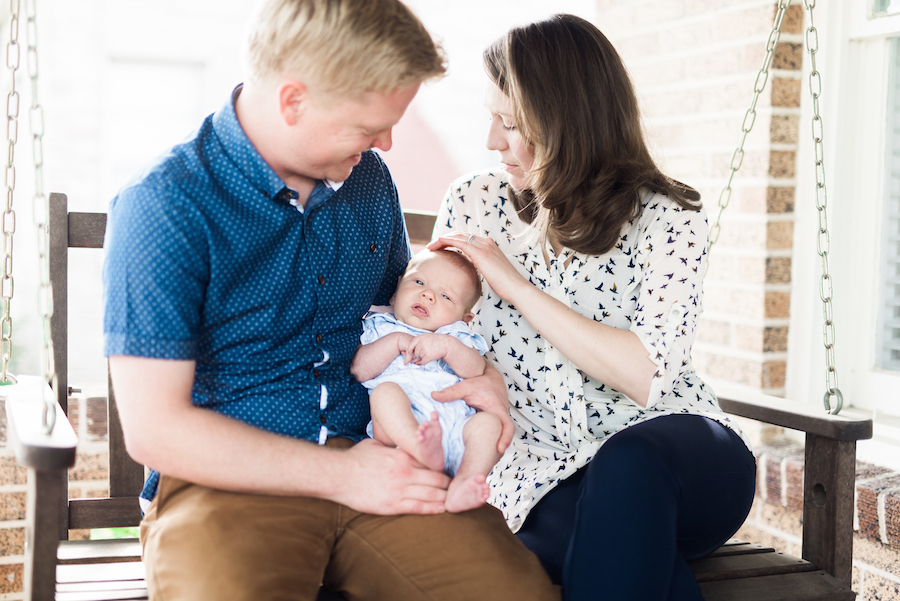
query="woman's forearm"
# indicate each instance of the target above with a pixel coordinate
(611, 355)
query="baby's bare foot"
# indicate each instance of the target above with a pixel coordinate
(468, 493)
(431, 454)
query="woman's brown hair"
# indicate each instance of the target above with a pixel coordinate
(573, 102)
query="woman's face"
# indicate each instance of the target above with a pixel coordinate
(504, 137)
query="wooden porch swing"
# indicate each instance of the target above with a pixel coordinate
(56, 568)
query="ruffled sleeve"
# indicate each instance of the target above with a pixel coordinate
(461, 332)
(670, 300)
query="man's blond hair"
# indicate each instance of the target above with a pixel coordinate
(344, 47)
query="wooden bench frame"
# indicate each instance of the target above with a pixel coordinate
(828, 491)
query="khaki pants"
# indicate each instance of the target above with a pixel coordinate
(206, 544)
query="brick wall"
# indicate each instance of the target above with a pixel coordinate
(694, 63)
(89, 478)
(775, 519)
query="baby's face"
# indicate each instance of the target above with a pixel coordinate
(432, 294)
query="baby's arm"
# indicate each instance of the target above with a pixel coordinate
(464, 361)
(373, 358)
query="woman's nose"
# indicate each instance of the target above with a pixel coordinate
(495, 139)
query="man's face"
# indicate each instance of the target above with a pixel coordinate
(433, 293)
(333, 132)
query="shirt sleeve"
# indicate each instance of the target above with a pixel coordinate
(670, 300)
(154, 276)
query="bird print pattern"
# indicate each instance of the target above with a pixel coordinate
(650, 283)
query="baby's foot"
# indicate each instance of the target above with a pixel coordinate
(466, 494)
(431, 454)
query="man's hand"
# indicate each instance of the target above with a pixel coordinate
(486, 393)
(385, 481)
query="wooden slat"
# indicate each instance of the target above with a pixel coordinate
(124, 594)
(100, 572)
(58, 225)
(86, 230)
(419, 226)
(59, 277)
(742, 549)
(804, 586)
(104, 585)
(104, 513)
(829, 485)
(791, 414)
(99, 551)
(732, 567)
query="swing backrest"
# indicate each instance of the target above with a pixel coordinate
(126, 477)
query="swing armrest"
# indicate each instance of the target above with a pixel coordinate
(34, 448)
(791, 414)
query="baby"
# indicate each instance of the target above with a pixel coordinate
(423, 346)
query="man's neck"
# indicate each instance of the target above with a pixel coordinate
(261, 125)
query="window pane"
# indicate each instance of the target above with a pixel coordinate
(889, 312)
(886, 7)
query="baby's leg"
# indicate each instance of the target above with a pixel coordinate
(394, 424)
(469, 488)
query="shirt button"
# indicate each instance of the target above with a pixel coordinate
(373, 248)
(317, 374)
(323, 419)
(321, 279)
(318, 339)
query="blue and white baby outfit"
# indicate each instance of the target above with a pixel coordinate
(419, 381)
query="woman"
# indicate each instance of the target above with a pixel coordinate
(622, 467)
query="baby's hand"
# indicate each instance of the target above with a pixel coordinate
(426, 348)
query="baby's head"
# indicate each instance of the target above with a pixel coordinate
(438, 288)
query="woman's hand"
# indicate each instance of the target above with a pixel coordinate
(490, 261)
(486, 393)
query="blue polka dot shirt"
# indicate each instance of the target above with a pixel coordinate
(208, 260)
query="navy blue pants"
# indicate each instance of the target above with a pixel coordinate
(655, 495)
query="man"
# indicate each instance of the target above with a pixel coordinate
(237, 271)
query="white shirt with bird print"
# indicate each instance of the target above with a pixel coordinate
(649, 283)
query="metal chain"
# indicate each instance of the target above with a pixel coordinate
(9, 215)
(749, 119)
(823, 239)
(41, 213)
(823, 243)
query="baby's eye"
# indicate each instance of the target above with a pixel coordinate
(420, 282)
(445, 296)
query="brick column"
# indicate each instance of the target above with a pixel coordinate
(694, 64)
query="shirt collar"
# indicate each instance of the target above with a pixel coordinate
(248, 160)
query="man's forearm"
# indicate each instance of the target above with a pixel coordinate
(165, 431)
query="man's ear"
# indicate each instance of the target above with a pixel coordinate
(468, 317)
(293, 96)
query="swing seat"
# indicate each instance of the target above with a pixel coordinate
(56, 568)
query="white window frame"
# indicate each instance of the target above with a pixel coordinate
(853, 59)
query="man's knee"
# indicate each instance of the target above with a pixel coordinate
(470, 555)
(208, 544)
